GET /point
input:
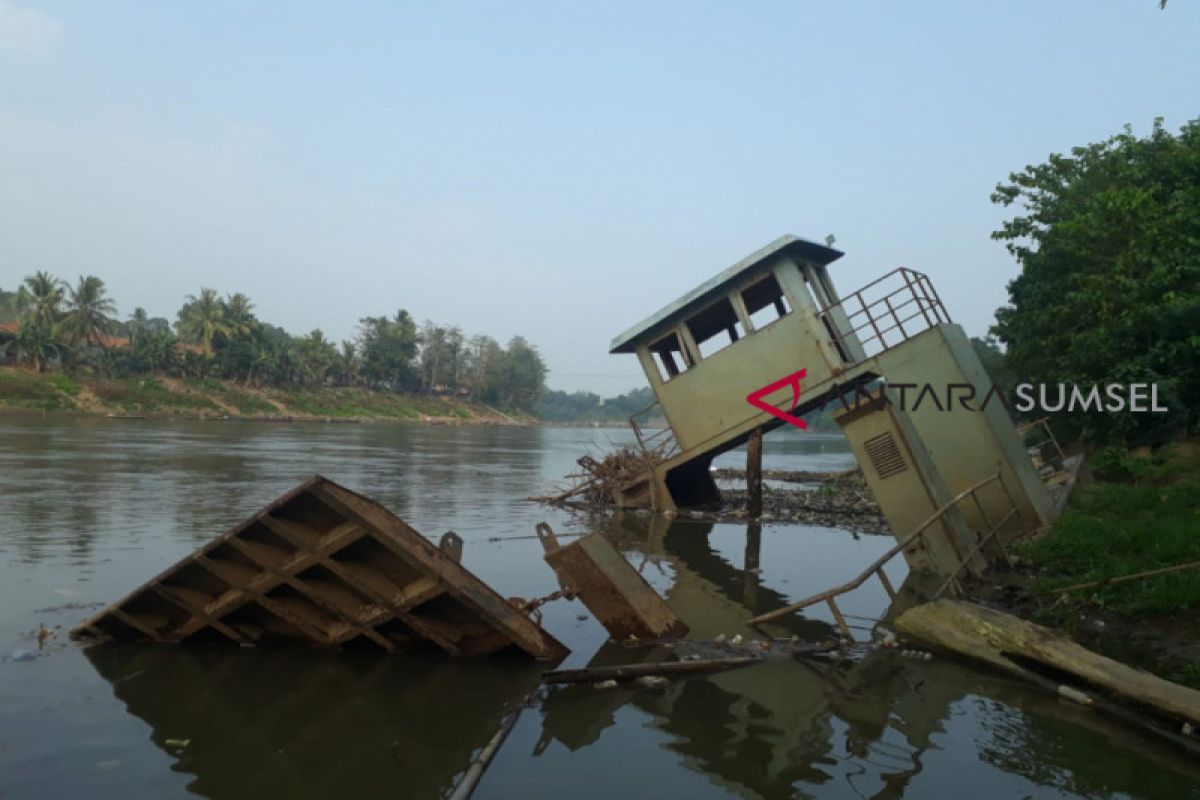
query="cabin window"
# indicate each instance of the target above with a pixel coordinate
(715, 328)
(669, 356)
(765, 302)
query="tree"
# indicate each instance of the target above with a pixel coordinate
(995, 364)
(155, 350)
(441, 355)
(315, 357)
(524, 375)
(483, 368)
(202, 319)
(39, 300)
(239, 314)
(8, 307)
(87, 319)
(1109, 290)
(346, 368)
(137, 324)
(389, 348)
(35, 346)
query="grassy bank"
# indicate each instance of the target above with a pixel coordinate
(1141, 514)
(173, 397)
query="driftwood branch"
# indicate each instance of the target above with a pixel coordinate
(627, 671)
(1137, 576)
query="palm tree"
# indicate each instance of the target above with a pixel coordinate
(155, 350)
(35, 346)
(202, 319)
(239, 314)
(137, 323)
(40, 299)
(315, 356)
(87, 320)
(347, 364)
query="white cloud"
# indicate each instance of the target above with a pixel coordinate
(25, 32)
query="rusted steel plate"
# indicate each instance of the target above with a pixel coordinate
(329, 566)
(622, 601)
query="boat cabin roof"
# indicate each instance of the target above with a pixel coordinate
(758, 261)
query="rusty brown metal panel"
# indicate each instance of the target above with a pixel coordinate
(328, 566)
(622, 601)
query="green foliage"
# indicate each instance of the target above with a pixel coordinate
(1115, 529)
(1114, 463)
(39, 301)
(64, 384)
(149, 395)
(221, 338)
(25, 390)
(558, 406)
(35, 346)
(995, 363)
(389, 348)
(1109, 290)
(520, 379)
(203, 319)
(86, 320)
(8, 307)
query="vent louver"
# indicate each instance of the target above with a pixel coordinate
(885, 455)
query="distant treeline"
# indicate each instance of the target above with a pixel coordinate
(49, 324)
(558, 406)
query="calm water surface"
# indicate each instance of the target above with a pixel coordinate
(91, 508)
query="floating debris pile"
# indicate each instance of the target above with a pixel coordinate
(597, 483)
(830, 499)
(785, 475)
(842, 500)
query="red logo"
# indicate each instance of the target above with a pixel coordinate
(755, 398)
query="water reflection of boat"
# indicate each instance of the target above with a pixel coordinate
(863, 727)
(277, 722)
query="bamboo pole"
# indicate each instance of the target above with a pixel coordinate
(1150, 573)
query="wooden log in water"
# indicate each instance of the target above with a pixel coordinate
(1050, 659)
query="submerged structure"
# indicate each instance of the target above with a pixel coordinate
(770, 339)
(324, 565)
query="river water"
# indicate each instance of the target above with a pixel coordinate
(91, 508)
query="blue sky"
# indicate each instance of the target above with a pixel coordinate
(555, 170)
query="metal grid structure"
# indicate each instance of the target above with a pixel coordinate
(1047, 455)
(888, 311)
(328, 566)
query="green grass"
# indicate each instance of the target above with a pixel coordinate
(1115, 529)
(230, 394)
(54, 391)
(148, 395)
(46, 392)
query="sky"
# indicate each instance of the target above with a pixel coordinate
(552, 170)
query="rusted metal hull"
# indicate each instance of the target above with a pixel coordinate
(622, 601)
(328, 566)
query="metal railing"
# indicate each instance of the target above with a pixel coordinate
(662, 439)
(876, 568)
(886, 312)
(1046, 451)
